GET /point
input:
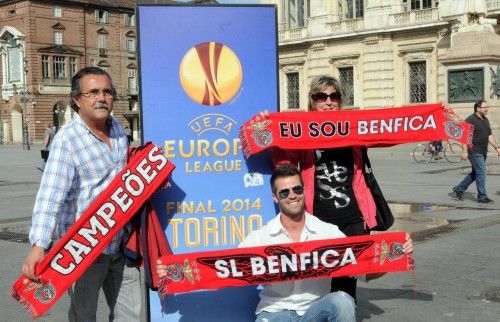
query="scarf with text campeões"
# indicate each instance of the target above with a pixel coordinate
(370, 127)
(94, 230)
(349, 256)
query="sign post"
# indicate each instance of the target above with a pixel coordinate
(204, 70)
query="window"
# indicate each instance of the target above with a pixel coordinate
(132, 81)
(101, 16)
(296, 13)
(129, 19)
(346, 78)
(45, 66)
(58, 65)
(293, 90)
(420, 4)
(72, 66)
(418, 91)
(353, 9)
(58, 37)
(101, 41)
(57, 10)
(130, 45)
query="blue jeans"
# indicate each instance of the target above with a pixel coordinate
(332, 307)
(121, 286)
(478, 174)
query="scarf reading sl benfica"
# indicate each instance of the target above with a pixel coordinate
(93, 231)
(390, 126)
(349, 256)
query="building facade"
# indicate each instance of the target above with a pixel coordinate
(391, 53)
(44, 43)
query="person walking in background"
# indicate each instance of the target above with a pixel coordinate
(47, 141)
(477, 154)
(128, 131)
(436, 148)
(86, 155)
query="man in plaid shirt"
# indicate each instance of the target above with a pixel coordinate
(85, 156)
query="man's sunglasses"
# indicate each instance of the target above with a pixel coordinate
(321, 97)
(284, 193)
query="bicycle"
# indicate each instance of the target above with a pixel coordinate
(423, 153)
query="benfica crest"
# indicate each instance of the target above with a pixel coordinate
(452, 126)
(261, 136)
(392, 251)
(179, 273)
(45, 293)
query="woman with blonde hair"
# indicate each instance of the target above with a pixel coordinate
(334, 185)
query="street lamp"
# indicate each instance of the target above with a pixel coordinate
(24, 95)
(26, 98)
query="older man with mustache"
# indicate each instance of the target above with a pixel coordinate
(86, 154)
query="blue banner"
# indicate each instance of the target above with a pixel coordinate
(204, 70)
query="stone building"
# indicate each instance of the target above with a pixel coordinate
(392, 53)
(43, 43)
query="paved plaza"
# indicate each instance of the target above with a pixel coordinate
(457, 275)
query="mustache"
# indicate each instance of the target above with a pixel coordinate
(102, 105)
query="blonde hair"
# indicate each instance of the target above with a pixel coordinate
(318, 84)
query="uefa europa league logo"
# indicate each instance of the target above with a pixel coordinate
(210, 73)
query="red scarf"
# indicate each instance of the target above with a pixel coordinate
(93, 231)
(390, 126)
(288, 262)
(146, 243)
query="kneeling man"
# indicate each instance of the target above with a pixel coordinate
(301, 300)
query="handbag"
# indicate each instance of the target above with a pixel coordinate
(44, 154)
(383, 215)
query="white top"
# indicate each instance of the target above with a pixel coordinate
(298, 295)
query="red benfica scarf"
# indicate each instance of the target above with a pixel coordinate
(93, 231)
(288, 262)
(390, 126)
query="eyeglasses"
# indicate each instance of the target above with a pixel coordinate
(321, 97)
(93, 94)
(284, 193)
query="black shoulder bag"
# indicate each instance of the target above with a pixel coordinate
(384, 216)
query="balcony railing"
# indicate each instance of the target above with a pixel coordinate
(493, 9)
(414, 17)
(350, 25)
(493, 4)
(132, 91)
(292, 34)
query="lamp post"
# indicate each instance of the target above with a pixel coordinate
(26, 97)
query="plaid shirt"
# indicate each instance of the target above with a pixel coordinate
(79, 167)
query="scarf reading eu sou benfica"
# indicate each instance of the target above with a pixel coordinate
(372, 127)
